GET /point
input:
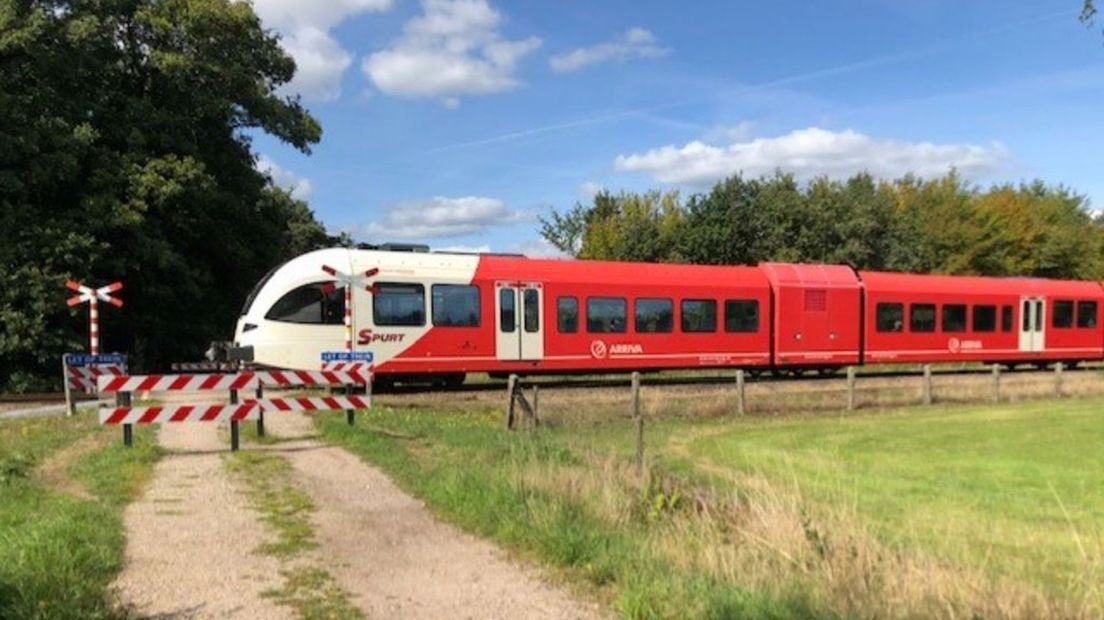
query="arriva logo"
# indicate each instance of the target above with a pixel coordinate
(598, 349)
(626, 349)
(954, 345)
(365, 336)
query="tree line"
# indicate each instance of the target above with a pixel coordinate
(943, 225)
(125, 154)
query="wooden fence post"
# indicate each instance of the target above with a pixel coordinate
(1058, 380)
(741, 395)
(639, 419)
(536, 405)
(851, 388)
(511, 386)
(996, 383)
(927, 390)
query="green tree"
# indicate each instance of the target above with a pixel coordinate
(941, 225)
(125, 154)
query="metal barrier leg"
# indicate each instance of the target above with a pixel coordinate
(350, 414)
(122, 399)
(235, 432)
(260, 413)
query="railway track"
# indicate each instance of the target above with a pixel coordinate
(561, 382)
(37, 397)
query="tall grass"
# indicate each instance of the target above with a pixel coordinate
(58, 553)
(692, 537)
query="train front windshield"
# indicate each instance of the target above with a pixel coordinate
(257, 289)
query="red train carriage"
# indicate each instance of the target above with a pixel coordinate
(581, 316)
(816, 315)
(444, 315)
(926, 318)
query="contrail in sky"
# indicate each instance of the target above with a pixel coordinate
(843, 69)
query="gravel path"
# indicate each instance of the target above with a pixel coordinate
(393, 557)
(190, 538)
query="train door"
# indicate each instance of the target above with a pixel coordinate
(1032, 324)
(519, 321)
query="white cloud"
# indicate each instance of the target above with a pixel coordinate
(305, 30)
(441, 217)
(452, 48)
(812, 152)
(633, 44)
(298, 186)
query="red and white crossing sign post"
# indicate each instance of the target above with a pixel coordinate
(93, 296)
(347, 282)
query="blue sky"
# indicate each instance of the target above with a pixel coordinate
(457, 122)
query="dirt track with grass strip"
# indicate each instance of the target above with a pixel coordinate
(190, 538)
(197, 542)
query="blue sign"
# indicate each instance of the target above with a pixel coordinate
(84, 359)
(346, 356)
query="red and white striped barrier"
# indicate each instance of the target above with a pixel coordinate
(84, 378)
(180, 413)
(233, 381)
(300, 378)
(178, 383)
(323, 403)
(125, 385)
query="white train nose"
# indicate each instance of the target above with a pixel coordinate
(244, 332)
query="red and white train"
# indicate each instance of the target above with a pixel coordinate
(438, 316)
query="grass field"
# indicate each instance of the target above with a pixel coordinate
(987, 511)
(63, 485)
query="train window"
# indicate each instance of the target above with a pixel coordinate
(654, 315)
(531, 310)
(1026, 316)
(954, 318)
(567, 315)
(922, 318)
(985, 318)
(889, 317)
(311, 304)
(741, 315)
(455, 305)
(398, 304)
(1006, 318)
(606, 315)
(507, 314)
(1063, 314)
(699, 315)
(1086, 314)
